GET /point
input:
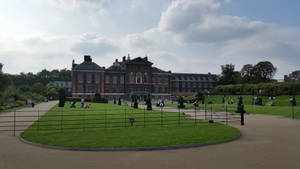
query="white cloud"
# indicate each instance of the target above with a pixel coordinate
(76, 4)
(94, 44)
(201, 22)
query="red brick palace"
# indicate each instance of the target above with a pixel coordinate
(135, 76)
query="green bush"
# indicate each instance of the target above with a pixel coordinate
(20, 103)
(62, 97)
(181, 102)
(268, 89)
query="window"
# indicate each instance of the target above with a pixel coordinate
(159, 80)
(139, 77)
(153, 80)
(183, 84)
(80, 89)
(177, 84)
(121, 79)
(89, 78)
(80, 77)
(97, 78)
(115, 79)
(131, 77)
(166, 81)
(146, 78)
(107, 79)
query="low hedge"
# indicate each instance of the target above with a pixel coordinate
(267, 89)
(78, 99)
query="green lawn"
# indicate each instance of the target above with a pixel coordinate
(285, 111)
(247, 99)
(105, 136)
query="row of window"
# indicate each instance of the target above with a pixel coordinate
(114, 79)
(160, 80)
(90, 78)
(89, 89)
(193, 84)
(199, 78)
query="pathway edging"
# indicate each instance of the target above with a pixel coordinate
(131, 148)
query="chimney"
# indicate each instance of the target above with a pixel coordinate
(87, 58)
(146, 58)
(124, 58)
(128, 57)
(116, 61)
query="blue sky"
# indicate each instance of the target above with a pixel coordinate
(180, 35)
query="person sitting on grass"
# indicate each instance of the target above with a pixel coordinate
(87, 106)
(73, 104)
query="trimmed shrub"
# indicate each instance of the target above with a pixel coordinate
(148, 102)
(119, 102)
(181, 102)
(20, 103)
(62, 97)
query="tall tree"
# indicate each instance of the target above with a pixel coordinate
(229, 76)
(247, 73)
(263, 72)
(1, 66)
(5, 80)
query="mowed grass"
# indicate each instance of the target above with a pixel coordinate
(285, 111)
(108, 126)
(248, 99)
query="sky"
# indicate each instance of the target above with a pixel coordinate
(186, 36)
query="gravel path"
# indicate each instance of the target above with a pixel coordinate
(267, 142)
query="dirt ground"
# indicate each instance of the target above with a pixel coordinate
(267, 142)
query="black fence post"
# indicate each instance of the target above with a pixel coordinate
(144, 117)
(15, 123)
(211, 115)
(178, 116)
(161, 118)
(61, 120)
(105, 118)
(226, 115)
(242, 118)
(205, 111)
(195, 115)
(38, 120)
(125, 119)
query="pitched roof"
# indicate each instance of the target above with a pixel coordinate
(139, 61)
(88, 65)
(116, 67)
(157, 70)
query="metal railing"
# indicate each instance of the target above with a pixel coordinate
(87, 119)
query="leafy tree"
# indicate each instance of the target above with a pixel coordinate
(5, 80)
(247, 73)
(148, 102)
(263, 72)
(39, 88)
(228, 75)
(199, 96)
(62, 97)
(24, 88)
(1, 66)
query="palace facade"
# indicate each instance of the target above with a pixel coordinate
(135, 76)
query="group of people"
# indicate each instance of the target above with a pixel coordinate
(82, 104)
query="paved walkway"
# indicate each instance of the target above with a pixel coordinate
(268, 142)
